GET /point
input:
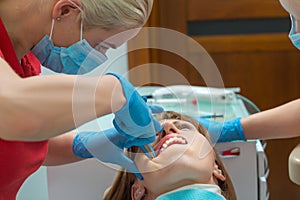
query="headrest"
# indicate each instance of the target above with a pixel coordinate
(294, 165)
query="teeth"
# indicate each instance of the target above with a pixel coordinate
(182, 141)
(173, 140)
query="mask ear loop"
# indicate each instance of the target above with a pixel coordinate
(51, 31)
(81, 28)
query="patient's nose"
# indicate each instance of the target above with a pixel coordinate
(169, 128)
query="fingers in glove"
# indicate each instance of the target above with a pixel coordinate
(156, 109)
(128, 164)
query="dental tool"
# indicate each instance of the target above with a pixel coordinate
(148, 151)
(212, 116)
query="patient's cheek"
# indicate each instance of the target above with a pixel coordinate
(205, 150)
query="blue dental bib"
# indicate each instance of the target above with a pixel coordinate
(191, 194)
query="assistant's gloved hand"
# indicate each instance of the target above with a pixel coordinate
(223, 132)
(106, 146)
(134, 120)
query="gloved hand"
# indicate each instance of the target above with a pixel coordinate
(134, 120)
(223, 132)
(106, 146)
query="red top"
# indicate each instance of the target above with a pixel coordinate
(18, 159)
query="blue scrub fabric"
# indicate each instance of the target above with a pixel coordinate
(191, 194)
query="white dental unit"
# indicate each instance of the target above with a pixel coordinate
(245, 161)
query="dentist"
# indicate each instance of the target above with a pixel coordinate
(69, 37)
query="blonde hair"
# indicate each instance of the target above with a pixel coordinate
(121, 188)
(115, 14)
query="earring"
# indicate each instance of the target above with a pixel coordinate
(58, 18)
(139, 192)
(219, 171)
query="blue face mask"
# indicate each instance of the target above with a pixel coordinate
(294, 37)
(79, 58)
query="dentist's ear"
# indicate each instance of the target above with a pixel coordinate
(137, 191)
(63, 8)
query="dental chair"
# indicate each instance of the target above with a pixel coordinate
(294, 165)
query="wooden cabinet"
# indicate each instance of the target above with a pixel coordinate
(248, 41)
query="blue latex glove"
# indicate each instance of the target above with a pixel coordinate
(223, 132)
(155, 109)
(106, 146)
(134, 120)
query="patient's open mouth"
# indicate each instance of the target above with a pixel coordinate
(167, 141)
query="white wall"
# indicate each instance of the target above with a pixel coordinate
(83, 180)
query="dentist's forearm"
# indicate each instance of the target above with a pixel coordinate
(60, 150)
(42, 107)
(279, 122)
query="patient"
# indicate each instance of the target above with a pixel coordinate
(186, 166)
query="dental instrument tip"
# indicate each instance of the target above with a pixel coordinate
(148, 151)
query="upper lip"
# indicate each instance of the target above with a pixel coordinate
(159, 145)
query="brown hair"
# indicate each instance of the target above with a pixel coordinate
(121, 188)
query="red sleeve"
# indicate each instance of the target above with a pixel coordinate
(31, 65)
(1, 55)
